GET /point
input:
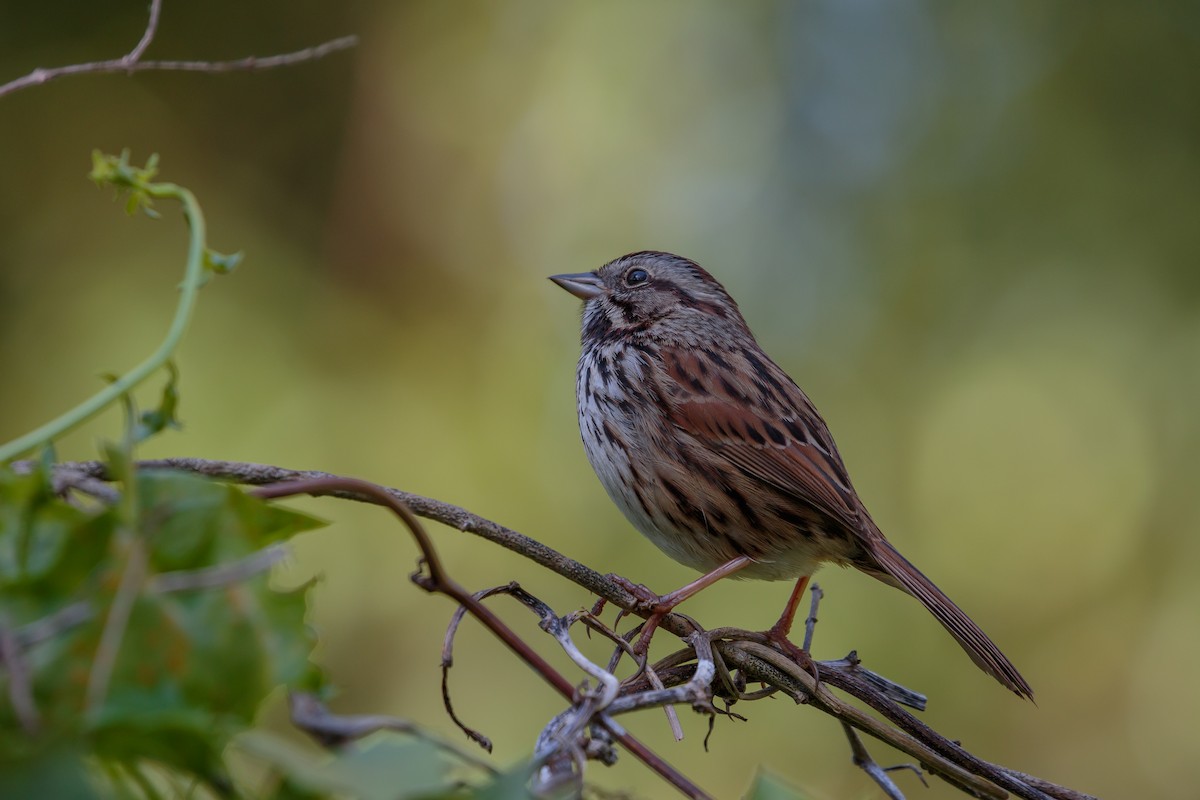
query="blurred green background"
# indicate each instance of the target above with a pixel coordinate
(968, 230)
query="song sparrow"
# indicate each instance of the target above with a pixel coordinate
(715, 454)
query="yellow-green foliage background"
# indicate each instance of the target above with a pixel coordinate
(970, 231)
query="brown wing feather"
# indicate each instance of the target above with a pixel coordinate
(778, 437)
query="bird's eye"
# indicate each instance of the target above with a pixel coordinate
(635, 276)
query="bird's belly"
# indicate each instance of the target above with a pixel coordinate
(688, 500)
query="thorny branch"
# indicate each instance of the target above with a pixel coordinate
(132, 61)
(721, 662)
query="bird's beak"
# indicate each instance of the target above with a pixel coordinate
(584, 285)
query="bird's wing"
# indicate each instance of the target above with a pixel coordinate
(766, 426)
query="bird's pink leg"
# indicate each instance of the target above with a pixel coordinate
(780, 630)
(662, 605)
(783, 627)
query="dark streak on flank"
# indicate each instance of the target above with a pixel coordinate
(611, 436)
(675, 521)
(645, 349)
(604, 367)
(682, 502)
(735, 544)
(637, 492)
(623, 382)
(800, 522)
(743, 505)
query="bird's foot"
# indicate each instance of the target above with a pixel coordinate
(648, 604)
(647, 601)
(778, 636)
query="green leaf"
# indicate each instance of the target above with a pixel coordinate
(194, 667)
(158, 419)
(768, 786)
(383, 766)
(512, 785)
(116, 171)
(193, 522)
(195, 660)
(58, 773)
(222, 263)
(48, 547)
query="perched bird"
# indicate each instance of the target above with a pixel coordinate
(715, 454)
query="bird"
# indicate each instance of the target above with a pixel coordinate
(716, 455)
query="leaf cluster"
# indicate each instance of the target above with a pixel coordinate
(191, 665)
(140, 634)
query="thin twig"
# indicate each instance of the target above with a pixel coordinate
(52, 625)
(132, 577)
(220, 575)
(20, 685)
(76, 614)
(448, 661)
(863, 760)
(897, 693)
(445, 513)
(131, 62)
(310, 715)
(135, 54)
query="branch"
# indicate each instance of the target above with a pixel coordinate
(20, 687)
(132, 62)
(447, 514)
(744, 651)
(310, 715)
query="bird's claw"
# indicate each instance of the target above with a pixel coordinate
(795, 652)
(647, 600)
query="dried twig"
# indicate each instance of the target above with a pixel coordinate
(448, 661)
(132, 61)
(877, 773)
(334, 730)
(76, 614)
(133, 575)
(220, 575)
(20, 688)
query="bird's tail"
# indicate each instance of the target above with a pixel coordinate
(982, 650)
